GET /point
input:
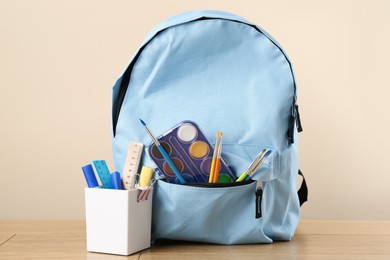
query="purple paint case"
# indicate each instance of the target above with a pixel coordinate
(191, 152)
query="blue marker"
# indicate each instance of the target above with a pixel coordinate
(164, 153)
(116, 181)
(90, 177)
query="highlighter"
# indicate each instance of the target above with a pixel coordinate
(145, 176)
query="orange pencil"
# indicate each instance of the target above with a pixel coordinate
(218, 160)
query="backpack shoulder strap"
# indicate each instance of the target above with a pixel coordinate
(303, 191)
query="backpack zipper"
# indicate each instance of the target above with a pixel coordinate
(259, 197)
(258, 192)
(295, 120)
(218, 185)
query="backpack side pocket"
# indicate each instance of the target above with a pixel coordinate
(221, 215)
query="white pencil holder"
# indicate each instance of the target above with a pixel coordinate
(116, 222)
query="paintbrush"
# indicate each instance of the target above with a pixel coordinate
(211, 177)
(218, 159)
(163, 153)
(255, 165)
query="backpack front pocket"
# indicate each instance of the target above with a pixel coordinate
(221, 215)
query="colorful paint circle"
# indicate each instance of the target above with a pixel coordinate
(224, 178)
(177, 162)
(156, 153)
(206, 165)
(187, 132)
(199, 149)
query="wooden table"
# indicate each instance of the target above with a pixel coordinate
(313, 240)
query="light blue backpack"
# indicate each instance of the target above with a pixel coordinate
(224, 73)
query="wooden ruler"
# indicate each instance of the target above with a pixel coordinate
(130, 169)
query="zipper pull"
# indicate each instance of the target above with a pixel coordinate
(298, 119)
(291, 125)
(259, 197)
(295, 120)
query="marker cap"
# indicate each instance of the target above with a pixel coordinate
(145, 176)
(90, 177)
(116, 181)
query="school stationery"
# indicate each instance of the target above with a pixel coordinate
(212, 168)
(90, 177)
(116, 181)
(254, 165)
(218, 159)
(132, 163)
(224, 73)
(145, 191)
(103, 173)
(145, 176)
(191, 153)
(171, 167)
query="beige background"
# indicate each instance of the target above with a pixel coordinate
(59, 60)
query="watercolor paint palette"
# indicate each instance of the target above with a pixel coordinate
(191, 153)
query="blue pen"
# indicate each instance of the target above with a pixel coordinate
(164, 153)
(116, 181)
